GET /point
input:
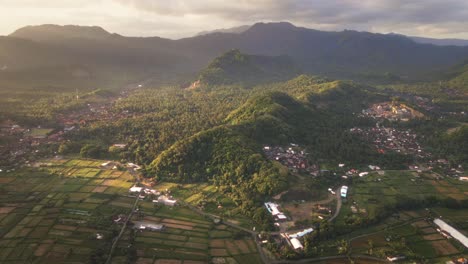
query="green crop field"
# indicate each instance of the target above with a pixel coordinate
(187, 237)
(51, 214)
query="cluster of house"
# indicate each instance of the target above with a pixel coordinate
(384, 139)
(22, 144)
(391, 111)
(143, 192)
(93, 112)
(293, 239)
(273, 209)
(355, 172)
(292, 157)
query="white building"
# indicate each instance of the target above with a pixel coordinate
(135, 189)
(302, 233)
(273, 209)
(452, 231)
(165, 200)
(344, 191)
(296, 244)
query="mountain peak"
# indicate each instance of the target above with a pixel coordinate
(50, 31)
(272, 26)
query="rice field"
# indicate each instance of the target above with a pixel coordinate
(53, 213)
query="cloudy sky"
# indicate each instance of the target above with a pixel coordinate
(184, 18)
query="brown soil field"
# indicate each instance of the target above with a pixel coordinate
(412, 213)
(42, 249)
(217, 243)
(232, 248)
(6, 210)
(24, 232)
(443, 247)
(109, 182)
(219, 252)
(244, 248)
(428, 230)
(65, 227)
(6, 180)
(252, 245)
(39, 232)
(100, 189)
(196, 245)
(458, 196)
(179, 226)
(433, 237)
(420, 224)
(178, 222)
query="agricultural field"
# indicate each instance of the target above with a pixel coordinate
(369, 195)
(411, 236)
(186, 238)
(52, 213)
(412, 232)
(208, 198)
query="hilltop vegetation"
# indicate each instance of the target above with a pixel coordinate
(230, 154)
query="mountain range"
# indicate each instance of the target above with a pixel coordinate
(423, 40)
(93, 56)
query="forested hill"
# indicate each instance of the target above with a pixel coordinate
(234, 67)
(348, 54)
(231, 153)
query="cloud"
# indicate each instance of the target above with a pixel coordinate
(416, 17)
(182, 18)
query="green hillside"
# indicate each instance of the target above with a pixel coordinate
(234, 67)
(459, 78)
(231, 154)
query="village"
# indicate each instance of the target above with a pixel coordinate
(24, 144)
(293, 157)
(391, 111)
(392, 139)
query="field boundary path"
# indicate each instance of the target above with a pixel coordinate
(339, 202)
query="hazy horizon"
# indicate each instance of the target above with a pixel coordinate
(180, 19)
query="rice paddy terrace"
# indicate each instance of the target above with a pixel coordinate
(65, 211)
